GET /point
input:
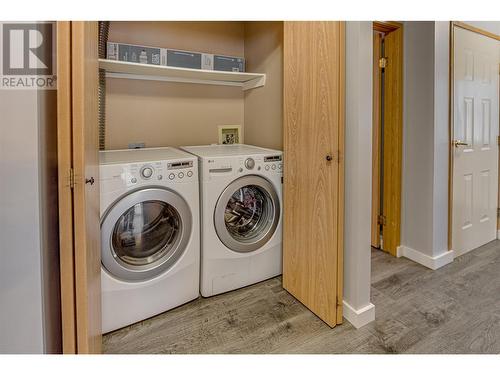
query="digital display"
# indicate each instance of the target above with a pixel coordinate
(180, 165)
(272, 158)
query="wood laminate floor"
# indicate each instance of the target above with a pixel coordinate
(455, 309)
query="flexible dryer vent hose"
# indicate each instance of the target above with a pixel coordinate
(103, 40)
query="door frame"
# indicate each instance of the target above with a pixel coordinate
(396, 111)
(451, 88)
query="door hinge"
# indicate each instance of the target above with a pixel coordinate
(71, 178)
(382, 62)
(381, 220)
(498, 139)
(498, 212)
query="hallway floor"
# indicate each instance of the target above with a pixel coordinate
(455, 309)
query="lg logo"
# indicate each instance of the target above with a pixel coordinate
(27, 49)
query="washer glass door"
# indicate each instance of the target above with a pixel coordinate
(247, 213)
(144, 233)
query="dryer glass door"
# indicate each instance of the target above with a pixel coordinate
(144, 233)
(247, 214)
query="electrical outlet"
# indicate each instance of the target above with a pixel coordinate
(137, 145)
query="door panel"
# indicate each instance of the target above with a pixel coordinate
(392, 140)
(64, 156)
(86, 195)
(313, 193)
(475, 125)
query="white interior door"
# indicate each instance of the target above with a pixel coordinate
(475, 145)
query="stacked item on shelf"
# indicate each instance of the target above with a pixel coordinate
(176, 58)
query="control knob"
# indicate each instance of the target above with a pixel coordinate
(249, 163)
(147, 172)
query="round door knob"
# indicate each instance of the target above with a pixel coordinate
(147, 172)
(329, 158)
(249, 163)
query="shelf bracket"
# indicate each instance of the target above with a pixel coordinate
(254, 83)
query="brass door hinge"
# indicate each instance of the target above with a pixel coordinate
(71, 178)
(382, 62)
(381, 220)
(498, 140)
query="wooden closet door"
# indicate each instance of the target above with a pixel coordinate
(87, 237)
(65, 164)
(393, 140)
(313, 174)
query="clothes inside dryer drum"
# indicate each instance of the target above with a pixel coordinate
(146, 232)
(248, 213)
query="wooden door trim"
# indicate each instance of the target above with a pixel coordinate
(64, 156)
(451, 132)
(340, 191)
(386, 26)
(390, 27)
(476, 30)
(375, 226)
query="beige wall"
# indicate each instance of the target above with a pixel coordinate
(264, 105)
(173, 114)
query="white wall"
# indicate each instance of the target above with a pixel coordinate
(418, 129)
(424, 236)
(441, 137)
(29, 251)
(358, 171)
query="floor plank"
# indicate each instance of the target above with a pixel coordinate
(455, 309)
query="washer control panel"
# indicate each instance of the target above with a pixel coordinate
(273, 163)
(159, 171)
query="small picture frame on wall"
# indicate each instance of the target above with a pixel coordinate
(230, 134)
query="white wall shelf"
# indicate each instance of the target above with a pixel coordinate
(128, 70)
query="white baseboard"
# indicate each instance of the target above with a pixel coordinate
(430, 262)
(361, 317)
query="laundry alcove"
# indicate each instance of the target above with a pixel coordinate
(299, 108)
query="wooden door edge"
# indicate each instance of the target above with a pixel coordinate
(398, 27)
(451, 67)
(64, 155)
(341, 187)
(375, 206)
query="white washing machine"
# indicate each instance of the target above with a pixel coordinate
(150, 233)
(241, 215)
